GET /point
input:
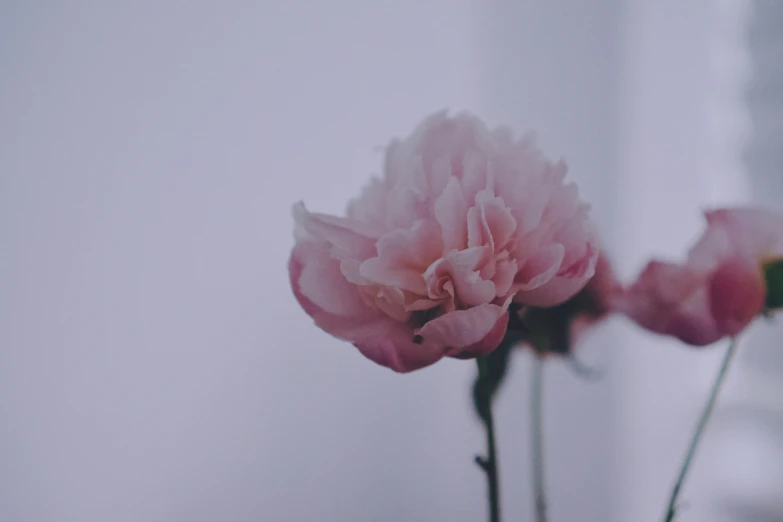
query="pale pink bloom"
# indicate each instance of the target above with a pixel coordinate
(560, 328)
(463, 221)
(721, 287)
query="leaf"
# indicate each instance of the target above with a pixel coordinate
(773, 276)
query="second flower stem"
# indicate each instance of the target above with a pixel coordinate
(671, 509)
(537, 437)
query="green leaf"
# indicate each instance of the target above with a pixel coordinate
(773, 275)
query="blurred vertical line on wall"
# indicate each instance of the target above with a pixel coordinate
(748, 475)
(763, 155)
(728, 124)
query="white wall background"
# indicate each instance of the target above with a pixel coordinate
(153, 363)
(680, 150)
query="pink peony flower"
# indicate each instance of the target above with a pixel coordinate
(721, 287)
(463, 221)
(559, 328)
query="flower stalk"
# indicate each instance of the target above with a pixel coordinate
(489, 463)
(537, 437)
(671, 509)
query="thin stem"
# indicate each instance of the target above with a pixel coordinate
(492, 471)
(705, 417)
(490, 463)
(537, 438)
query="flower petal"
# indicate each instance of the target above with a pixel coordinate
(490, 222)
(450, 211)
(737, 294)
(505, 272)
(323, 284)
(754, 232)
(462, 328)
(348, 236)
(540, 268)
(490, 341)
(672, 300)
(403, 255)
(390, 344)
(461, 267)
(462, 219)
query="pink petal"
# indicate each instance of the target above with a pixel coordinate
(540, 268)
(417, 247)
(578, 238)
(671, 300)
(336, 325)
(505, 272)
(403, 255)
(755, 233)
(564, 202)
(440, 175)
(321, 281)
(737, 293)
(405, 206)
(696, 329)
(714, 245)
(352, 237)
(488, 343)
(464, 328)
(450, 211)
(490, 222)
(534, 209)
(461, 268)
(382, 339)
(566, 283)
(604, 287)
(554, 292)
(454, 137)
(461, 219)
(370, 207)
(390, 344)
(384, 272)
(582, 267)
(304, 250)
(474, 173)
(657, 291)
(392, 302)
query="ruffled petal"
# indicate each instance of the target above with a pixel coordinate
(540, 268)
(349, 236)
(450, 211)
(465, 328)
(391, 344)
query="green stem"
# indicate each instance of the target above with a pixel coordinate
(537, 438)
(705, 417)
(490, 464)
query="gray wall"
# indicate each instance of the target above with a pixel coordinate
(153, 364)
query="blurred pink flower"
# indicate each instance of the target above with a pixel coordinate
(463, 221)
(721, 287)
(559, 329)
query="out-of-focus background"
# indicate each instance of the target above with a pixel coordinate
(154, 366)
